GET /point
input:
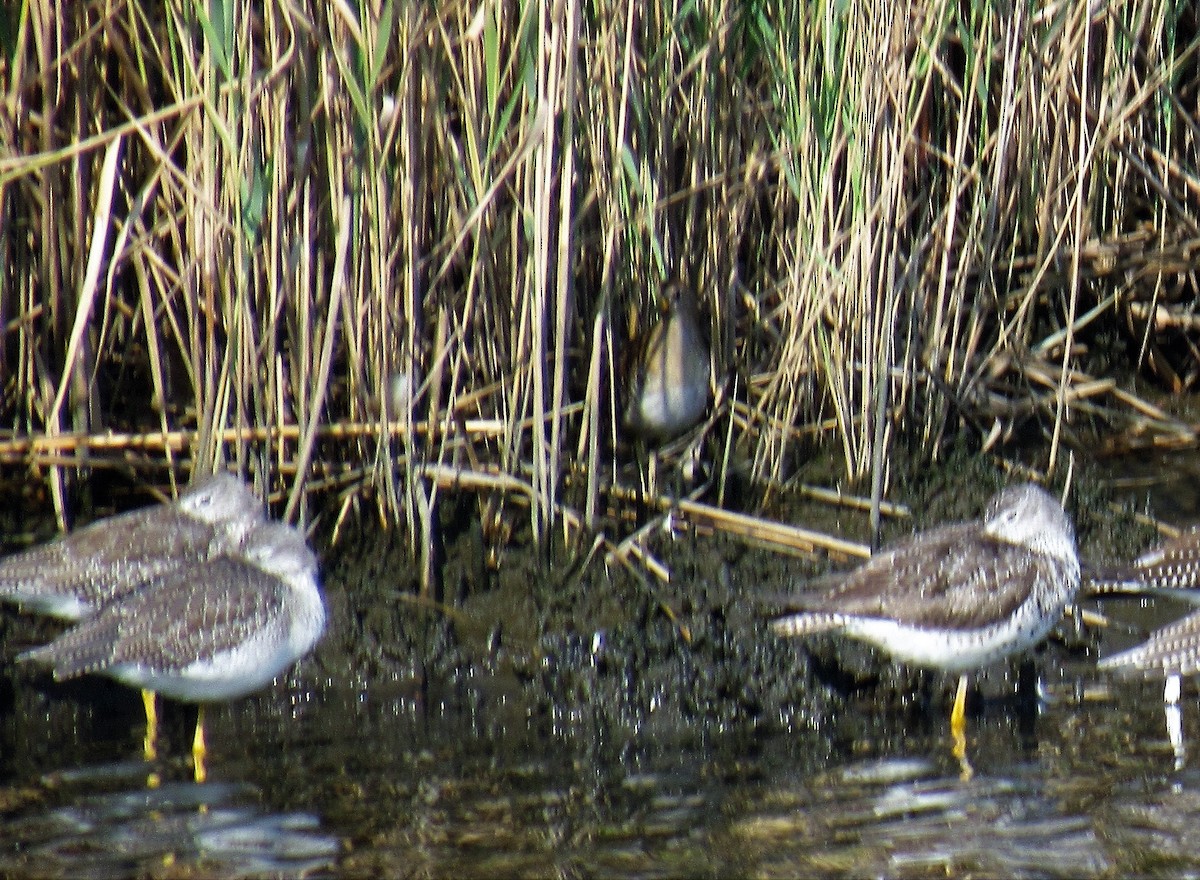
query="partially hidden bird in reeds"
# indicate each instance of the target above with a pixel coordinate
(669, 384)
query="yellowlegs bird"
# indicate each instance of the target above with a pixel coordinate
(1171, 569)
(960, 596)
(1171, 651)
(73, 576)
(211, 631)
(670, 385)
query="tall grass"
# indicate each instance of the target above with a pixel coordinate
(229, 229)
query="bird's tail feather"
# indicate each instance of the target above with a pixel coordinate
(808, 623)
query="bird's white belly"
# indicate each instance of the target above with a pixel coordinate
(248, 667)
(948, 649)
(672, 408)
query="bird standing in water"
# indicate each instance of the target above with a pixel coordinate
(76, 575)
(1171, 569)
(957, 597)
(209, 632)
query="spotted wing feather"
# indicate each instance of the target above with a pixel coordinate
(179, 618)
(1174, 648)
(106, 559)
(1172, 568)
(952, 577)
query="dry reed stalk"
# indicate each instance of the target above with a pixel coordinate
(854, 502)
(762, 532)
(884, 208)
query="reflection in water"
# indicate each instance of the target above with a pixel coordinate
(900, 816)
(1171, 692)
(76, 801)
(208, 829)
(466, 781)
(467, 776)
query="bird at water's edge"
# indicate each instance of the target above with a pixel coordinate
(75, 575)
(1171, 569)
(211, 632)
(957, 597)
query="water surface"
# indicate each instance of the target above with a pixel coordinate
(606, 727)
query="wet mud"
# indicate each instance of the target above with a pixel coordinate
(556, 712)
(634, 655)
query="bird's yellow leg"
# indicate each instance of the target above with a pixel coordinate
(199, 750)
(958, 730)
(150, 743)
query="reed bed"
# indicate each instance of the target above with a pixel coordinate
(405, 246)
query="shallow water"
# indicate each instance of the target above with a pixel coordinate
(315, 778)
(595, 728)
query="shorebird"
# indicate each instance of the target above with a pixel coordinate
(957, 597)
(669, 388)
(213, 631)
(75, 575)
(1173, 649)
(1170, 569)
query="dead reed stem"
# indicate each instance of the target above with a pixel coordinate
(409, 236)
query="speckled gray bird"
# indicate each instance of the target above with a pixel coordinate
(1170, 569)
(75, 575)
(957, 597)
(212, 631)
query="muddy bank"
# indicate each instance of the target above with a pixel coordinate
(630, 655)
(545, 714)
